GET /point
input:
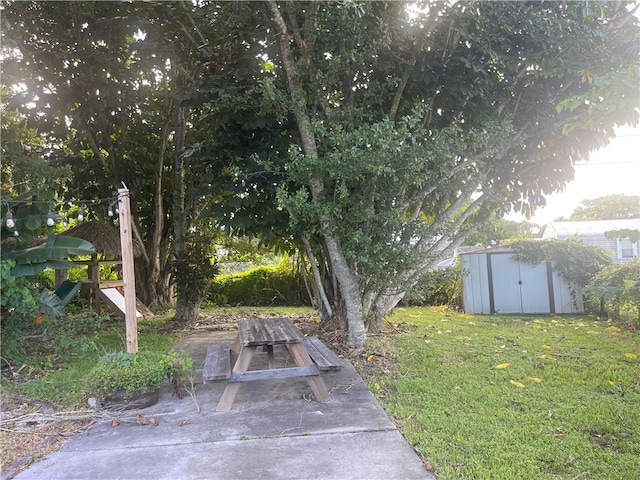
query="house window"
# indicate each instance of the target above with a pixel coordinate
(626, 250)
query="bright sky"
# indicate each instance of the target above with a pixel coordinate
(610, 170)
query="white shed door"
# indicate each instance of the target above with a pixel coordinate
(505, 274)
(535, 288)
(519, 287)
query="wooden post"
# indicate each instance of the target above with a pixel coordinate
(128, 274)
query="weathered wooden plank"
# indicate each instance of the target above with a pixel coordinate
(274, 373)
(323, 357)
(230, 391)
(268, 331)
(316, 383)
(217, 363)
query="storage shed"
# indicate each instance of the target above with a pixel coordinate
(497, 282)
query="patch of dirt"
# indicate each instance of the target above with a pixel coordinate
(29, 430)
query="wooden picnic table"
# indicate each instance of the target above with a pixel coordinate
(267, 333)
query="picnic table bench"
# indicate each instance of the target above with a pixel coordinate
(232, 363)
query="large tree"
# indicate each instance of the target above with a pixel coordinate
(410, 123)
(609, 207)
(106, 84)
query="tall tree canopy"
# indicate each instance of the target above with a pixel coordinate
(609, 207)
(105, 84)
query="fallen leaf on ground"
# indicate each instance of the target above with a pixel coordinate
(517, 384)
(184, 422)
(115, 423)
(502, 365)
(142, 420)
(535, 379)
(546, 347)
(630, 355)
(154, 422)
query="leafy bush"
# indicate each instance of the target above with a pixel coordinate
(621, 284)
(19, 306)
(436, 287)
(269, 285)
(131, 373)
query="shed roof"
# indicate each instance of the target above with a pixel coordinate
(588, 228)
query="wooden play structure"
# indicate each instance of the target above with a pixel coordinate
(106, 239)
(116, 248)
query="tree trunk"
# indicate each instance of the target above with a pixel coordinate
(179, 213)
(186, 312)
(347, 282)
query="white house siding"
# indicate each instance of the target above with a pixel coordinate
(593, 232)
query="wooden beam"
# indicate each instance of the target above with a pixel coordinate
(128, 274)
(286, 372)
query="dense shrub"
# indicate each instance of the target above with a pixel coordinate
(436, 287)
(619, 286)
(269, 285)
(120, 371)
(19, 306)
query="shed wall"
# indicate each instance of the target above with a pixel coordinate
(475, 285)
(498, 283)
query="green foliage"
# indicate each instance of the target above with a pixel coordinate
(58, 354)
(497, 231)
(363, 168)
(574, 260)
(621, 284)
(51, 254)
(50, 304)
(195, 269)
(601, 295)
(481, 73)
(19, 306)
(631, 234)
(268, 285)
(441, 286)
(236, 249)
(119, 371)
(65, 338)
(52, 341)
(18, 302)
(24, 167)
(610, 207)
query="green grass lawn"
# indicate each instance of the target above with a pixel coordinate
(495, 397)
